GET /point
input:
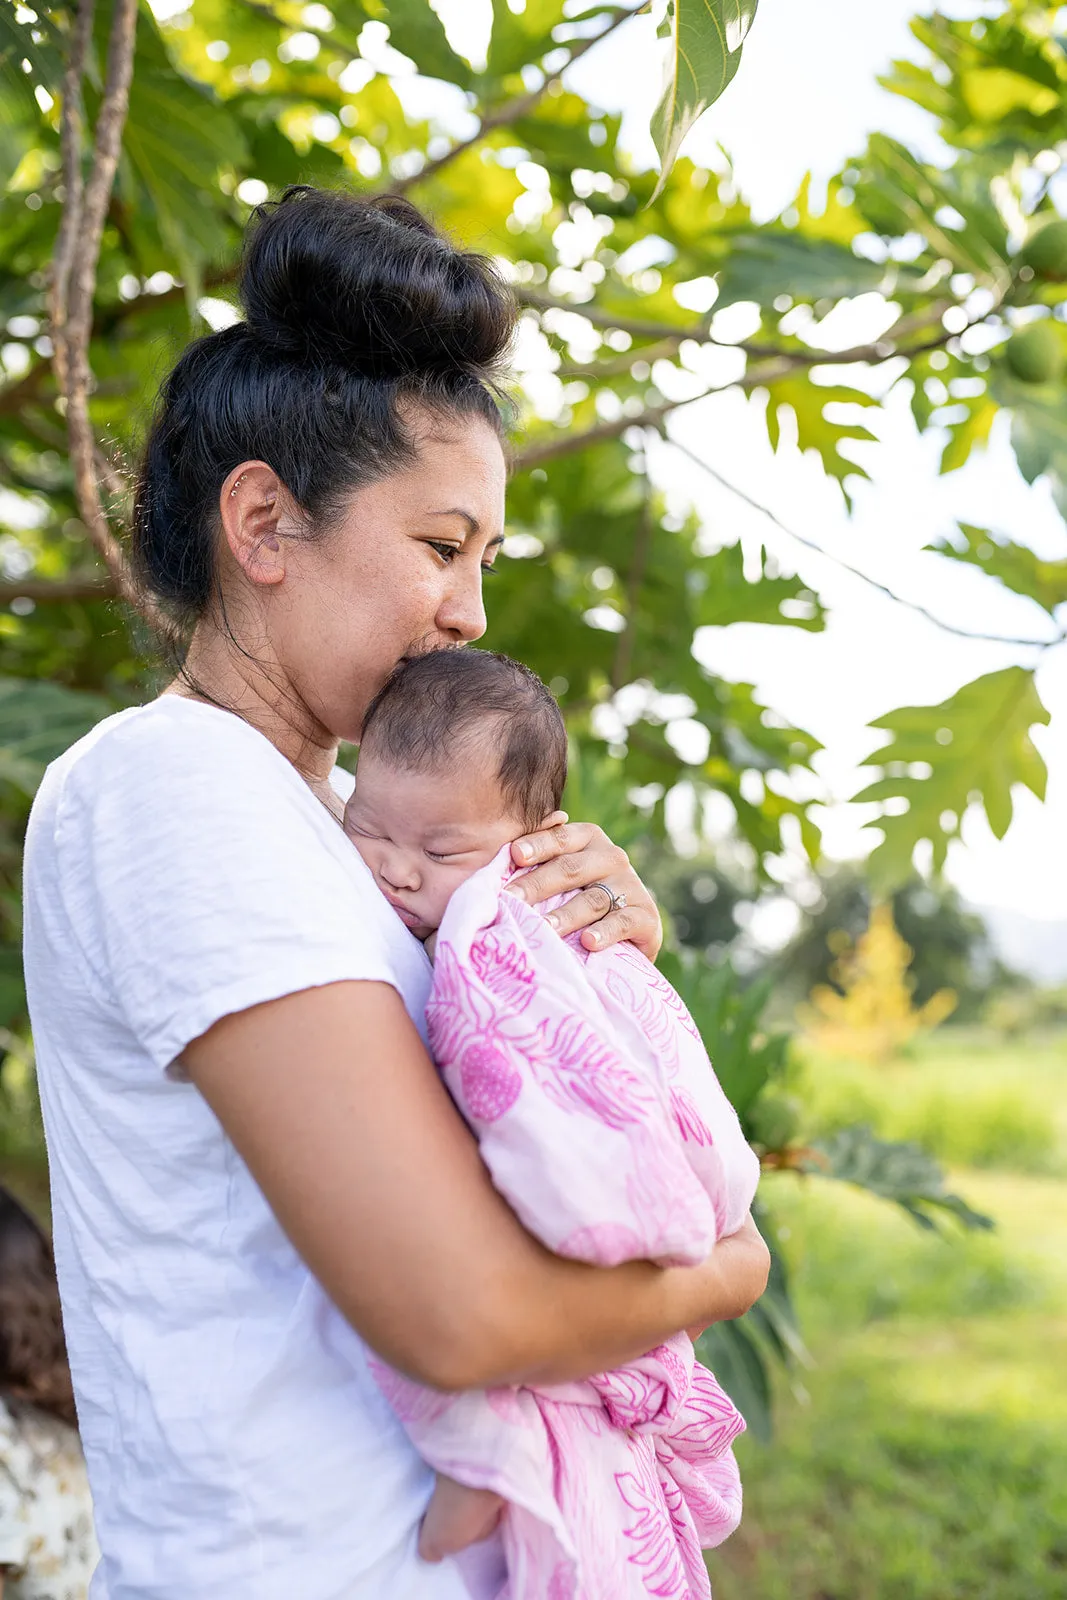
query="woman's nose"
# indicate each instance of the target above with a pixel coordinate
(462, 612)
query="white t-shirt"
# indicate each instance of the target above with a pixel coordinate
(179, 870)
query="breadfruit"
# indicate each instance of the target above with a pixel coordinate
(1035, 353)
(775, 1120)
(1046, 251)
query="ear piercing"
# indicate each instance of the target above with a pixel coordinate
(238, 484)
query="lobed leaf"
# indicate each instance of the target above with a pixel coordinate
(977, 747)
(1016, 566)
(901, 1172)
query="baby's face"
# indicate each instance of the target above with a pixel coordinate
(422, 834)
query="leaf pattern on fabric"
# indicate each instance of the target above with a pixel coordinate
(602, 1123)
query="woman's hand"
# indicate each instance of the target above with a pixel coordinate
(578, 855)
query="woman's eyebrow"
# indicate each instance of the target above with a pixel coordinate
(473, 525)
(469, 518)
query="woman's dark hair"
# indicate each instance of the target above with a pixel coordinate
(354, 309)
(33, 1352)
(432, 705)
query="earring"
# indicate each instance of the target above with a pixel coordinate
(238, 484)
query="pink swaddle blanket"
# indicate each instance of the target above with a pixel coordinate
(604, 1126)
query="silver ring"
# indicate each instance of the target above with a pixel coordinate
(618, 901)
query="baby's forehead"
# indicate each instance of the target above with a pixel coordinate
(465, 784)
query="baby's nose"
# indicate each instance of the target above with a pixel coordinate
(401, 872)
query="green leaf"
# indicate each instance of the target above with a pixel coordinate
(898, 194)
(904, 1173)
(768, 262)
(733, 1353)
(977, 745)
(990, 93)
(178, 138)
(726, 595)
(730, 1020)
(1014, 565)
(970, 433)
(19, 112)
(705, 53)
(738, 1352)
(816, 431)
(520, 38)
(416, 31)
(1038, 430)
(12, 989)
(38, 721)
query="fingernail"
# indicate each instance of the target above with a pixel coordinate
(553, 920)
(594, 938)
(524, 850)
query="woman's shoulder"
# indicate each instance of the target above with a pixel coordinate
(170, 753)
(171, 731)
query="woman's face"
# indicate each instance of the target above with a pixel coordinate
(399, 574)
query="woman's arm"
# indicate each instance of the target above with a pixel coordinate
(578, 855)
(332, 1101)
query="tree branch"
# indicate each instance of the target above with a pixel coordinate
(48, 591)
(624, 650)
(71, 144)
(565, 444)
(616, 366)
(856, 572)
(514, 110)
(74, 273)
(877, 350)
(640, 328)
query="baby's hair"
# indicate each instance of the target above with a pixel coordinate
(435, 704)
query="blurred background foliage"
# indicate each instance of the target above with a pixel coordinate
(621, 274)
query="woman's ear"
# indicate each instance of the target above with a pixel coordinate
(252, 504)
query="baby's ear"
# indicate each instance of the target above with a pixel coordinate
(554, 820)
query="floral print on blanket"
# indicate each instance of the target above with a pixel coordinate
(602, 1123)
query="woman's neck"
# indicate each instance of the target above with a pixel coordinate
(215, 671)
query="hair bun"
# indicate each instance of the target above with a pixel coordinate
(331, 277)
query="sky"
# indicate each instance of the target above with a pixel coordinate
(804, 99)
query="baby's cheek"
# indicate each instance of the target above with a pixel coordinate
(446, 881)
(367, 851)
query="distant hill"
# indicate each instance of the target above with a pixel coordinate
(1032, 946)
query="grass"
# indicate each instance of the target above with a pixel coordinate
(927, 1459)
(972, 1102)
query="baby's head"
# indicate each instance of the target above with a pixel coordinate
(462, 751)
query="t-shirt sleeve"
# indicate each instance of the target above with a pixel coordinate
(200, 877)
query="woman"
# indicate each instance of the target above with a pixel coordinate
(47, 1546)
(255, 1169)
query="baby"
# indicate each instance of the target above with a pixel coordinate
(448, 774)
(600, 1120)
